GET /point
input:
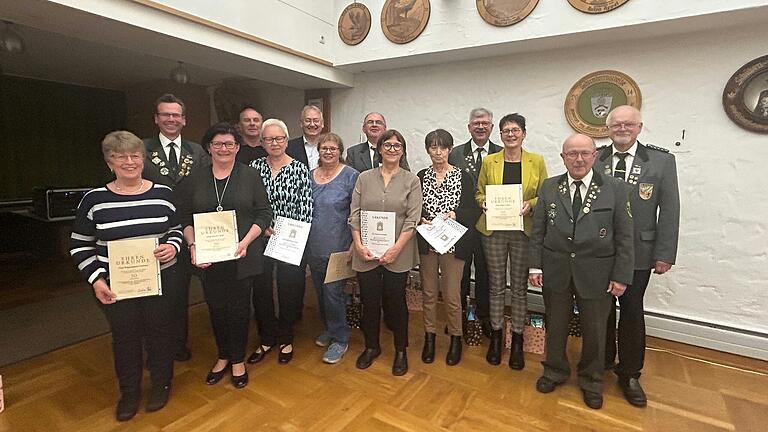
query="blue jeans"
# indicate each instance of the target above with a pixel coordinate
(332, 303)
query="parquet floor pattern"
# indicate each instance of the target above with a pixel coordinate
(74, 389)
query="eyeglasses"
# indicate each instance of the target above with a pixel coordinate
(573, 155)
(123, 158)
(307, 121)
(374, 122)
(219, 144)
(618, 126)
(166, 115)
(329, 149)
(480, 124)
(511, 131)
(278, 139)
(392, 146)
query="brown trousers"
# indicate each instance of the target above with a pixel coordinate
(441, 272)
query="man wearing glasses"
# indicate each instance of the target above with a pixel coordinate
(363, 156)
(304, 148)
(170, 159)
(651, 174)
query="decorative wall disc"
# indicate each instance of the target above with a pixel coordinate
(745, 98)
(403, 20)
(502, 13)
(354, 23)
(591, 99)
(596, 6)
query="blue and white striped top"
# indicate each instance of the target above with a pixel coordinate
(104, 215)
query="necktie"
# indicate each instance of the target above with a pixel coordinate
(375, 159)
(621, 167)
(576, 201)
(173, 161)
(479, 159)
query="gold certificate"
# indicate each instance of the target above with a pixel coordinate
(503, 204)
(339, 267)
(133, 269)
(216, 236)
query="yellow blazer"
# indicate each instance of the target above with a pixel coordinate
(534, 173)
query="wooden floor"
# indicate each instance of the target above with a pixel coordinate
(74, 389)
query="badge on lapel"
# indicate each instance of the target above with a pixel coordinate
(646, 190)
(603, 232)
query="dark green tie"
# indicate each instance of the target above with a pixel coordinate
(621, 167)
(577, 200)
(173, 161)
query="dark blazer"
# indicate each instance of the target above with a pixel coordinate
(156, 163)
(466, 214)
(359, 157)
(296, 150)
(245, 194)
(461, 156)
(655, 202)
(600, 250)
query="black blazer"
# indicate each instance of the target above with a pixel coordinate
(466, 214)
(156, 169)
(296, 150)
(245, 194)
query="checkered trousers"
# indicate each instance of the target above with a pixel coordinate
(498, 247)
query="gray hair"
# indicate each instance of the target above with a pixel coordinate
(630, 107)
(480, 112)
(275, 122)
(309, 108)
(365, 119)
(122, 142)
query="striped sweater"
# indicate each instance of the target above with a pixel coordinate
(104, 215)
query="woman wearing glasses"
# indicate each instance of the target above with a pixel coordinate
(332, 185)
(290, 193)
(512, 165)
(382, 276)
(227, 185)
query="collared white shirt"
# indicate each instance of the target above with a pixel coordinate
(483, 149)
(164, 141)
(371, 151)
(313, 155)
(627, 160)
(586, 181)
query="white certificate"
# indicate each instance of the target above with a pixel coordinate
(503, 205)
(133, 269)
(442, 234)
(288, 241)
(377, 231)
(216, 236)
(339, 267)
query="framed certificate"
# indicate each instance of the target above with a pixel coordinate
(133, 269)
(442, 234)
(288, 241)
(377, 231)
(216, 236)
(339, 267)
(503, 204)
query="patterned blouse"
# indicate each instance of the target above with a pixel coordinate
(440, 198)
(289, 192)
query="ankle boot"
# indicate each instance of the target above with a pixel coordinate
(494, 348)
(516, 356)
(400, 365)
(454, 351)
(428, 353)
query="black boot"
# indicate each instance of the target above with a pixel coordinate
(494, 348)
(516, 356)
(428, 353)
(454, 351)
(400, 365)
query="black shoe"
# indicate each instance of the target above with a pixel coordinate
(184, 354)
(516, 355)
(127, 407)
(454, 351)
(592, 399)
(546, 385)
(494, 348)
(284, 357)
(240, 381)
(259, 354)
(214, 377)
(428, 353)
(485, 324)
(633, 392)
(158, 397)
(400, 365)
(367, 357)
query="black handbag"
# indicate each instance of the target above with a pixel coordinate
(354, 305)
(473, 330)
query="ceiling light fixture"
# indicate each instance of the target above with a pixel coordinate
(179, 74)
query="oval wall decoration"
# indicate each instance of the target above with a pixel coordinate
(354, 23)
(596, 6)
(591, 99)
(502, 13)
(745, 98)
(403, 20)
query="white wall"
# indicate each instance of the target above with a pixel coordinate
(722, 271)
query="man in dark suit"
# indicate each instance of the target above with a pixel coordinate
(304, 148)
(363, 156)
(170, 159)
(651, 174)
(469, 157)
(582, 246)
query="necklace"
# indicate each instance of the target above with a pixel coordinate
(326, 177)
(219, 198)
(141, 186)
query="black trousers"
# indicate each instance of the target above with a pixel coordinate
(185, 269)
(291, 282)
(381, 287)
(482, 294)
(145, 323)
(229, 309)
(631, 335)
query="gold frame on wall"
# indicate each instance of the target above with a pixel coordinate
(354, 23)
(592, 97)
(596, 6)
(748, 88)
(499, 17)
(397, 26)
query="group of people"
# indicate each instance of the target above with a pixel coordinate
(579, 240)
